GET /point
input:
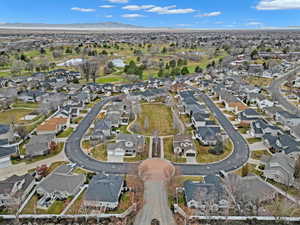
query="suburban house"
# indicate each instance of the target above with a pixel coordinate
(199, 119)
(250, 189)
(15, 189)
(282, 143)
(280, 168)
(183, 145)
(287, 118)
(39, 145)
(102, 130)
(60, 184)
(5, 154)
(248, 115)
(209, 194)
(260, 127)
(6, 132)
(127, 145)
(52, 126)
(208, 135)
(104, 191)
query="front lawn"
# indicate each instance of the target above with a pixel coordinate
(20, 104)
(154, 118)
(204, 156)
(100, 152)
(66, 133)
(253, 140)
(259, 154)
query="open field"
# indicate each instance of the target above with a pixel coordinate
(155, 118)
(13, 115)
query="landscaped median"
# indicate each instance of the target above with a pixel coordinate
(66, 133)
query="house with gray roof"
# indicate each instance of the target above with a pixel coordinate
(5, 154)
(102, 130)
(39, 145)
(15, 189)
(183, 145)
(104, 191)
(287, 119)
(61, 183)
(248, 115)
(208, 135)
(209, 194)
(282, 143)
(260, 127)
(280, 168)
(6, 132)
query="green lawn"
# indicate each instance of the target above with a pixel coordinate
(155, 118)
(258, 154)
(205, 157)
(109, 79)
(13, 115)
(100, 152)
(169, 153)
(253, 140)
(66, 133)
(124, 204)
(20, 104)
(56, 208)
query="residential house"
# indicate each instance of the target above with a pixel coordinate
(6, 132)
(280, 168)
(102, 130)
(199, 119)
(61, 183)
(248, 115)
(104, 191)
(209, 194)
(183, 145)
(127, 145)
(15, 189)
(208, 135)
(287, 119)
(260, 127)
(5, 155)
(39, 145)
(282, 143)
(52, 126)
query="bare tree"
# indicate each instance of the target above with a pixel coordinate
(89, 69)
(297, 168)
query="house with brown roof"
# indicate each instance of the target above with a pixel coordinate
(52, 126)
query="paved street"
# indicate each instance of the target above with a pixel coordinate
(237, 159)
(156, 205)
(276, 94)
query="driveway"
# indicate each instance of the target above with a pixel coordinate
(257, 146)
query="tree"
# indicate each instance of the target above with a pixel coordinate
(89, 69)
(160, 73)
(22, 131)
(198, 69)
(185, 70)
(254, 54)
(42, 51)
(173, 63)
(245, 170)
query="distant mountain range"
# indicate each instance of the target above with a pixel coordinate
(105, 25)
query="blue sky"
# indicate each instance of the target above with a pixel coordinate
(157, 13)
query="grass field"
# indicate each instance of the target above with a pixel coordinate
(20, 104)
(253, 140)
(155, 117)
(258, 154)
(13, 115)
(109, 79)
(66, 133)
(100, 152)
(205, 157)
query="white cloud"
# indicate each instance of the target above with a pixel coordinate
(137, 7)
(83, 9)
(134, 15)
(217, 13)
(118, 1)
(278, 4)
(108, 16)
(254, 23)
(170, 10)
(106, 6)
